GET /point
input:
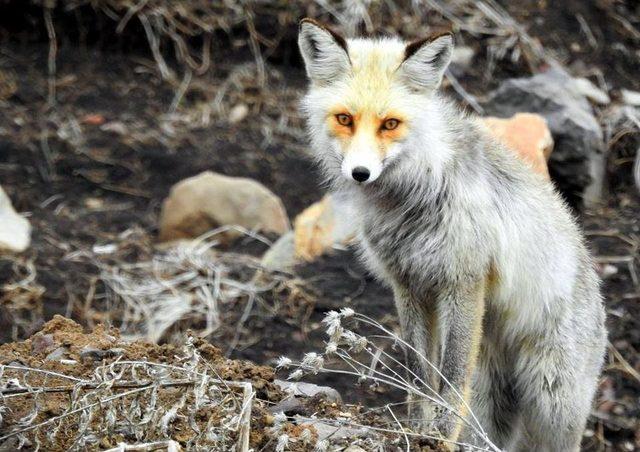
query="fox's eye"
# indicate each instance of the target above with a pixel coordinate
(344, 119)
(390, 124)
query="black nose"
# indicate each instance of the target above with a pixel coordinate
(360, 173)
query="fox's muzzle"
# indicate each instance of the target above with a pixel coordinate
(361, 166)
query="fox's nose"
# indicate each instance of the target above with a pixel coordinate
(360, 173)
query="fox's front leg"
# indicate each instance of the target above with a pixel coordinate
(418, 323)
(460, 313)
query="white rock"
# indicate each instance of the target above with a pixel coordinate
(302, 389)
(630, 97)
(238, 113)
(15, 230)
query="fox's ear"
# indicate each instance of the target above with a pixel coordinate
(426, 60)
(324, 52)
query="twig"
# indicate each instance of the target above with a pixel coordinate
(53, 51)
(406, 437)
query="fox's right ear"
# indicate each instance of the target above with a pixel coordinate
(426, 60)
(324, 52)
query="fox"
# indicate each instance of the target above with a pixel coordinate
(495, 289)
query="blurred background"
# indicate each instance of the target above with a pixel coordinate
(154, 172)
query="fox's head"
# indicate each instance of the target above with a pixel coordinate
(369, 99)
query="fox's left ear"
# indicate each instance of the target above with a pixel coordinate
(426, 60)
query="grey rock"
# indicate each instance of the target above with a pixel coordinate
(302, 389)
(288, 405)
(577, 162)
(58, 354)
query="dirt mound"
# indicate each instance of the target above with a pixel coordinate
(66, 389)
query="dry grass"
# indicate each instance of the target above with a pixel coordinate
(367, 360)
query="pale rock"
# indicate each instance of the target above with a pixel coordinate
(588, 89)
(631, 98)
(302, 389)
(527, 135)
(238, 113)
(281, 255)
(210, 200)
(15, 230)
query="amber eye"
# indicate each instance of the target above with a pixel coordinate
(390, 124)
(344, 119)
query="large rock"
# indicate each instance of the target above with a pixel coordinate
(15, 230)
(577, 163)
(209, 200)
(527, 135)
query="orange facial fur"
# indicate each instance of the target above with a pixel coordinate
(367, 126)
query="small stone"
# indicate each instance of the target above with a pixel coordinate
(302, 389)
(94, 203)
(210, 200)
(15, 230)
(40, 343)
(289, 406)
(58, 354)
(238, 113)
(629, 97)
(95, 119)
(116, 127)
(68, 362)
(588, 89)
(528, 135)
(607, 271)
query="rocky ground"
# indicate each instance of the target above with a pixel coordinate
(91, 172)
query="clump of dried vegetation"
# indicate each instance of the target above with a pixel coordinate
(94, 391)
(366, 359)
